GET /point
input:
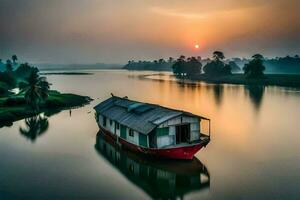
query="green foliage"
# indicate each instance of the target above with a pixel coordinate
(187, 67)
(218, 55)
(217, 67)
(155, 65)
(15, 107)
(14, 101)
(255, 68)
(8, 78)
(234, 67)
(64, 100)
(36, 89)
(287, 64)
(9, 67)
(4, 88)
(24, 70)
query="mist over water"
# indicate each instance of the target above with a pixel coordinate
(253, 154)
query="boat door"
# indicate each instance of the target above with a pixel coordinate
(182, 133)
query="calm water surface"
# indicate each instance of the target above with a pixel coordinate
(254, 152)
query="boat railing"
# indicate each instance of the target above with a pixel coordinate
(209, 127)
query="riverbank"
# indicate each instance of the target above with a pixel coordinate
(14, 107)
(66, 73)
(285, 80)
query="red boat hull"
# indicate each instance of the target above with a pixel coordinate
(185, 152)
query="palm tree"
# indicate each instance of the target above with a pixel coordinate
(36, 126)
(36, 89)
(14, 58)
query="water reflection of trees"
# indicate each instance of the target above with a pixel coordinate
(218, 93)
(159, 179)
(256, 94)
(35, 127)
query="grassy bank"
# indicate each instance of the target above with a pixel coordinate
(66, 73)
(286, 80)
(14, 107)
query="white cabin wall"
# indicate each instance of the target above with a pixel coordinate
(172, 130)
(110, 127)
(172, 123)
(165, 140)
(177, 121)
(134, 139)
(195, 131)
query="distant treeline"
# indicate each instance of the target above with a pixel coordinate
(44, 66)
(288, 64)
(78, 66)
(156, 65)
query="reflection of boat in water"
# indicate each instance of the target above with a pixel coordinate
(160, 179)
(152, 129)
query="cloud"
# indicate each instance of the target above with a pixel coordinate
(176, 13)
(114, 31)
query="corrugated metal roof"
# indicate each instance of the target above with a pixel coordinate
(142, 117)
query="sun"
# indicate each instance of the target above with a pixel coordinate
(197, 46)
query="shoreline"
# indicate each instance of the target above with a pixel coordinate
(280, 80)
(14, 108)
(283, 80)
(66, 73)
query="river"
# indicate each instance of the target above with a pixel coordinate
(253, 153)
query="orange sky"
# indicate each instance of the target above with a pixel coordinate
(77, 31)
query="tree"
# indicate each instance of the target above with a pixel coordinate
(35, 127)
(24, 70)
(226, 69)
(255, 67)
(161, 61)
(14, 58)
(218, 55)
(178, 66)
(9, 67)
(217, 67)
(192, 66)
(234, 66)
(189, 67)
(36, 89)
(170, 60)
(199, 58)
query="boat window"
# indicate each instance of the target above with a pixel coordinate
(131, 133)
(104, 121)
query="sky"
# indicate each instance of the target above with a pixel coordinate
(115, 31)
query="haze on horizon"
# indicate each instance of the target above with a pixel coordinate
(89, 31)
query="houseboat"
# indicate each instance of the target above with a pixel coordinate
(159, 179)
(152, 129)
